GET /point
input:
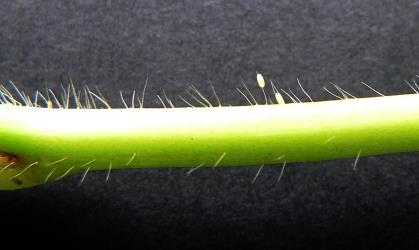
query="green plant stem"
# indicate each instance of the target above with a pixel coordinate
(92, 139)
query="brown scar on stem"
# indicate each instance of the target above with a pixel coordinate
(7, 158)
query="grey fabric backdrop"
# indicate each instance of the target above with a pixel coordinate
(116, 45)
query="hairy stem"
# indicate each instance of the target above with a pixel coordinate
(65, 141)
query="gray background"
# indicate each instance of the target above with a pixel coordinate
(116, 45)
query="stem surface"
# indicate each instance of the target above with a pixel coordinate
(65, 141)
